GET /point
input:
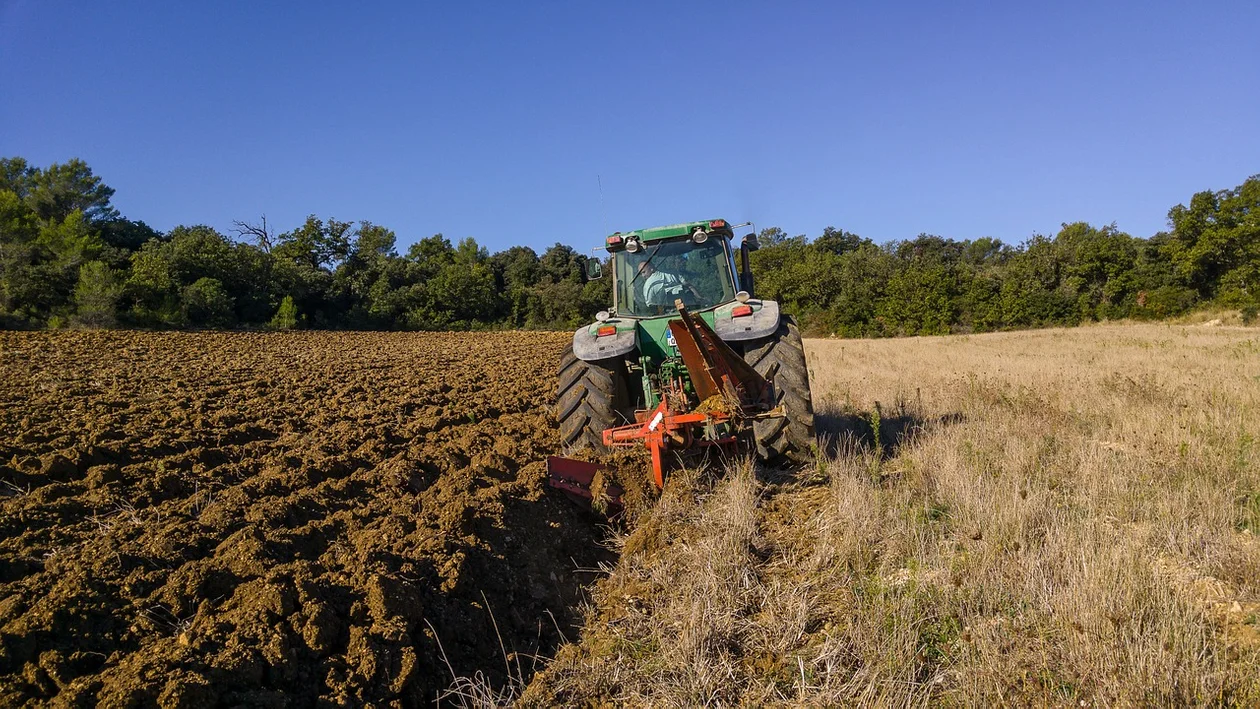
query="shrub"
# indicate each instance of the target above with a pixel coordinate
(207, 304)
(287, 316)
(1250, 314)
(1165, 301)
(96, 295)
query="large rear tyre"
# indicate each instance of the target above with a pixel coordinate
(591, 397)
(789, 439)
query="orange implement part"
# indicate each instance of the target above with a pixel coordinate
(574, 477)
(715, 370)
(662, 430)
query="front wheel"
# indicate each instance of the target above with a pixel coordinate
(789, 439)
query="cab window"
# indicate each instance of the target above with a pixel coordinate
(648, 282)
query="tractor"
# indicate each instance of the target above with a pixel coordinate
(686, 359)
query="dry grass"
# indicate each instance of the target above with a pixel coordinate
(1210, 317)
(1062, 517)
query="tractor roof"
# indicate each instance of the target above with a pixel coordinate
(656, 233)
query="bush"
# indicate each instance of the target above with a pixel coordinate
(287, 316)
(1165, 302)
(96, 295)
(207, 304)
(1250, 314)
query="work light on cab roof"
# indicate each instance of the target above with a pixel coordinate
(685, 360)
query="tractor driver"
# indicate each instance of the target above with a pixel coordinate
(661, 288)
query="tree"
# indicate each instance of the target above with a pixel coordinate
(1030, 293)
(125, 234)
(773, 272)
(41, 261)
(96, 295)
(66, 253)
(16, 176)
(287, 316)
(929, 249)
(52, 222)
(861, 281)
(431, 254)
(1097, 269)
(562, 263)
(837, 241)
(516, 274)
(316, 244)
(1215, 242)
(161, 270)
(152, 288)
(771, 236)
(985, 251)
(60, 190)
(198, 252)
(370, 272)
(260, 234)
(207, 304)
(920, 300)
(20, 255)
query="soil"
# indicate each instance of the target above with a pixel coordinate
(279, 519)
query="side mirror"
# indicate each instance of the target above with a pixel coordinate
(594, 269)
(746, 247)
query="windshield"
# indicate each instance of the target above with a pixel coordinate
(650, 281)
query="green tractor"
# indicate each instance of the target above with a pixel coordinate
(686, 357)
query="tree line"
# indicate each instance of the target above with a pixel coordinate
(68, 258)
(843, 284)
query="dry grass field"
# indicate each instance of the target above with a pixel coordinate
(1060, 517)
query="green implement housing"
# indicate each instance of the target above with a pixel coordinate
(626, 363)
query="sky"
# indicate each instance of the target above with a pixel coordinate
(537, 122)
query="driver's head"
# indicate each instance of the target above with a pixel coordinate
(646, 268)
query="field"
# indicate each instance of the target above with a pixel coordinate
(277, 519)
(1062, 517)
(1054, 517)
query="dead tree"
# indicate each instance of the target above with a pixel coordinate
(260, 235)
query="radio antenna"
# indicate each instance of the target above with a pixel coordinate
(602, 210)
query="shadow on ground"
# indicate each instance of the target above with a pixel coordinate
(874, 432)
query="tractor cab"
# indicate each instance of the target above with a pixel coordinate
(653, 270)
(692, 262)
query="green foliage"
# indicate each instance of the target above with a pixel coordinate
(841, 284)
(207, 304)
(316, 244)
(1215, 242)
(57, 192)
(67, 257)
(287, 316)
(96, 295)
(1163, 302)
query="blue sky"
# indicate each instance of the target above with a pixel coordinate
(494, 119)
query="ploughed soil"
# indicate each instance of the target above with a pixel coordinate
(279, 519)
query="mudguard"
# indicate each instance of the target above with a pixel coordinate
(589, 346)
(763, 322)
